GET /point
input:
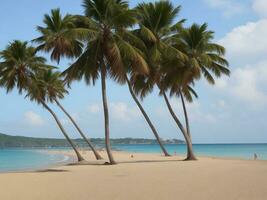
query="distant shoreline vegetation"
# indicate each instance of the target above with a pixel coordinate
(8, 141)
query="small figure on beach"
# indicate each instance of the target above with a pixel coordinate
(175, 153)
(132, 156)
(255, 156)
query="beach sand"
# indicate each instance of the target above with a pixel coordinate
(143, 177)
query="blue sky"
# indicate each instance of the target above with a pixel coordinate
(235, 110)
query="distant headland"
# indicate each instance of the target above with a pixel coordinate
(8, 141)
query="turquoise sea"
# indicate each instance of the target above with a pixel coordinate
(25, 159)
(244, 151)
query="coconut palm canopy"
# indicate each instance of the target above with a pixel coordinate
(204, 58)
(19, 62)
(57, 36)
(46, 86)
(156, 28)
(108, 47)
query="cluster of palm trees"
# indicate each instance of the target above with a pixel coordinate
(143, 47)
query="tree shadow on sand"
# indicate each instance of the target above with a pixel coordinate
(51, 170)
(149, 161)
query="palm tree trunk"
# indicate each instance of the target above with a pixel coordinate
(106, 115)
(185, 115)
(79, 156)
(97, 155)
(147, 118)
(190, 152)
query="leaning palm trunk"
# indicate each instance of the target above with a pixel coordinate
(106, 115)
(97, 155)
(185, 115)
(147, 118)
(79, 156)
(190, 152)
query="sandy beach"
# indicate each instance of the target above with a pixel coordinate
(145, 176)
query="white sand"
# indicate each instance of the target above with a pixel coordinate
(146, 176)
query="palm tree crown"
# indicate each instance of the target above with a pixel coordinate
(57, 36)
(19, 63)
(46, 86)
(204, 58)
(107, 47)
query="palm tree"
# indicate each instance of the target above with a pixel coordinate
(156, 30)
(186, 131)
(53, 84)
(163, 41)
(106, 50)
(46, 87)
(204, 58)
(58, 37)
(18, 67)
(102, 30)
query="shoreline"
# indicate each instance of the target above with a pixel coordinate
(70, 159)
(70, 156)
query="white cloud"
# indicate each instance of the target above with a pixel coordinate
(248, 84)
(94, 108)
(118, 110)
(33, 119)
(247, 42)
(195, 112)
(260, 7)
(221, 83)
(197, 115)
(122, 111)
(221, 103)
(229, 8)
(246, 47)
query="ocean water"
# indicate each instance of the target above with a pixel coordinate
(24, 159)
(244, 151)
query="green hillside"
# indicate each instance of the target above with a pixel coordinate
(7, 141)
